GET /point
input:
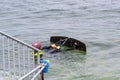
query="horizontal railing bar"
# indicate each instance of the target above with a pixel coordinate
(38, 73)
(19, 41)
(23, 77)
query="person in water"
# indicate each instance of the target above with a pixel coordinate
(53, 47)
(38, 46)
(47, 62)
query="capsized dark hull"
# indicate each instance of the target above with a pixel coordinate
(70, 42)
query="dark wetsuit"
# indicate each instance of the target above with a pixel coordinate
(52, 50)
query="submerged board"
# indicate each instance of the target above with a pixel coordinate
(69, 42)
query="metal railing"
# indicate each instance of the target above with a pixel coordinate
(38, 70)
(16, 58)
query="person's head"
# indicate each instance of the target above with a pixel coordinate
(37, 45)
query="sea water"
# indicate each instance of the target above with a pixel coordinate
(94, 22)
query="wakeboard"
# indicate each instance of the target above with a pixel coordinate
(69, 42)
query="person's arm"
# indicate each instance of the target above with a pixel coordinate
(46, 47)
(58, 49)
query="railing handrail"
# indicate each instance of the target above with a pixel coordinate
(38, 73)
(19, 41)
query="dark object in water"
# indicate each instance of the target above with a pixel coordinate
(69, 42)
